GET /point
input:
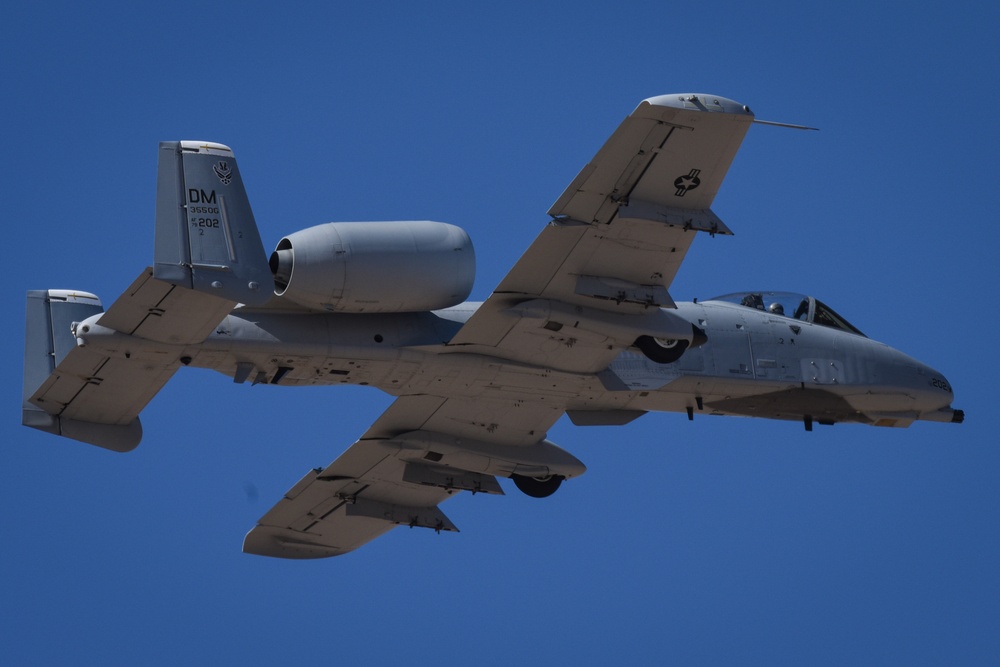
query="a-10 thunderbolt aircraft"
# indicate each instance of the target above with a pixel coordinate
(584, 324)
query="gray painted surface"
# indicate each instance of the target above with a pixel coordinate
(477, 386)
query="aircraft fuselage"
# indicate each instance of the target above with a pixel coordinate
(754, 363)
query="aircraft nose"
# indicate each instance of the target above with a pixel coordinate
(934, 394)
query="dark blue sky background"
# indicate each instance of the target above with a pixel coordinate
(722, 541)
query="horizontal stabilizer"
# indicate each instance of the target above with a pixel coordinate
(206, 236)
(58, 373)
(84, 379)
(162, 312)
(116, 437)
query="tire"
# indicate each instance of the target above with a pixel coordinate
(661, 351)
(535, 487)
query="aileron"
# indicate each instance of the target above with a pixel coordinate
(672, 150)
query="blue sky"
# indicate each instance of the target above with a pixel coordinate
(722, 541)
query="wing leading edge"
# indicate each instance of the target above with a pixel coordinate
(597, 274)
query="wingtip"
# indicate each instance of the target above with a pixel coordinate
(275, 543)
(700, 102)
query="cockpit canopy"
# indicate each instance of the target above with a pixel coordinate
(795, 306)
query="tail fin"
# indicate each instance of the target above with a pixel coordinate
(206, 237)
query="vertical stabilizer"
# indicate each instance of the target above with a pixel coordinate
(206, 236)
(47, 337)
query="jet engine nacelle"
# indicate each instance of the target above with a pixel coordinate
(375, 267)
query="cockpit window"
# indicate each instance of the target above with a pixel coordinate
(824, 315)
(794, 306)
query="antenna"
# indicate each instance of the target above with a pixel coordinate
(794, 127)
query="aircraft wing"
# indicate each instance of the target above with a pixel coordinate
(420, 452)
(619, 233)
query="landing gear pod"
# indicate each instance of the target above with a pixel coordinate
(668, 350)
(537, 487)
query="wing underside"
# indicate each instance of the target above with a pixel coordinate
(420, 452)
(617, 239)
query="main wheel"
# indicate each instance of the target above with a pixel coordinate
(661, 350)
(537, 487)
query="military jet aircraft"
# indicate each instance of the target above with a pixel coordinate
(584, 324)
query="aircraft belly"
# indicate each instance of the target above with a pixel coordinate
(753, 364)
(793, 404)
(318, 349)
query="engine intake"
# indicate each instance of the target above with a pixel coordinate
(375, 267)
